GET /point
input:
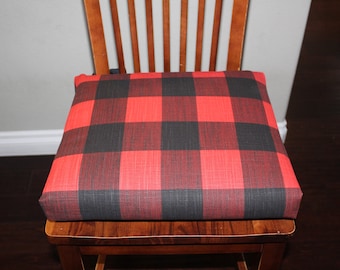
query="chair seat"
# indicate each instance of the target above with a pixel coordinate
(171, 146)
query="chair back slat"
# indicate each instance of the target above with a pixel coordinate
(134, 36)
(215, 35)
(117, 36)
(166, 35)
(98, 43)
(183, 35)
(199, 34)
(96, 32)
(237, 32)
(150, 39)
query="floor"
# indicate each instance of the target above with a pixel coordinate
(313, 144)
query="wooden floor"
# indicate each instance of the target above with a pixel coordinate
(313, 143)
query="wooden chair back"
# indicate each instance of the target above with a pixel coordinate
(99, 48)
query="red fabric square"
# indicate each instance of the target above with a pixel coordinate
(80, 115)
(260, 77)
(221, 169)
(217, 135)
(144, 109)
(64, 174)
(271, 120)
(181, 169)
(149, 75)
(73, 142)
(261, 169)
(288, 174)
(85, 78)
(100, 171)
(140, 170)
(262, 88)
(216, 86)
(214, 109)
(179, 108)
(145, 85)
(244, 109)
(61, 205)
(292, 200)
(111, 110)
(85, 92)
(279, 146)
(142, 136)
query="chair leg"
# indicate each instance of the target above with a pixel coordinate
(100, 262)
(70, 258)
(241, 262)
(271, 256)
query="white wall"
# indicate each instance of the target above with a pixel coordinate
(44, 44)
(274, 37)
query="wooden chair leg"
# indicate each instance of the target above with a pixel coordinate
(271, 256)
(241, 262)
(70, 258)
(100, 262)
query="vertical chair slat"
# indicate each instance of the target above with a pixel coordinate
(215, 35)
(166, 35)
(97, 39)
(183, 37)
(134, 36)
(199, 37)
(149, 29)
(237, 31)
(117, 35)
(96, 32)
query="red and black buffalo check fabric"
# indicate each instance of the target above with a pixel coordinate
(171, 146)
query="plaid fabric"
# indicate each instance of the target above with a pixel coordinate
(171, 146)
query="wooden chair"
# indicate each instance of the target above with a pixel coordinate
(76, 238)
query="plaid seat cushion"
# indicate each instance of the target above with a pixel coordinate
(171, 146)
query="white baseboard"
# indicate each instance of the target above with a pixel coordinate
(283, 129)
(30, 142)
(46, 142)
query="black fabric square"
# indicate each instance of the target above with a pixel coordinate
(93, 204)
(178, 87)
(180, 136)
(264, 203)
(105, 138)
(254, 137)
(243, 87)
(182, 204)
(112, 89)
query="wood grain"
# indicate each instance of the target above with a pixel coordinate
(150, 35)
(175, 232)
(199, 34)
(237, 30)
(166, 34)
(134, 35)
(97, 38)
(117, 36)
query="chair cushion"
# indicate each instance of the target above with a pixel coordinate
(171, 146)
